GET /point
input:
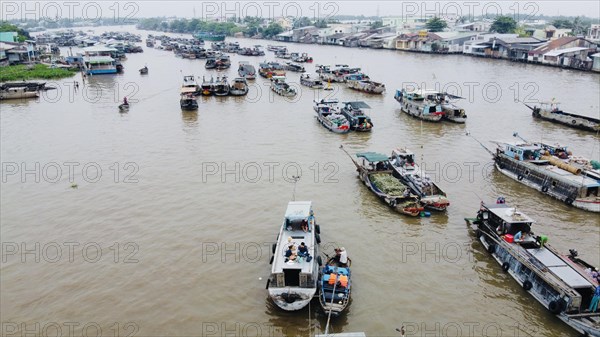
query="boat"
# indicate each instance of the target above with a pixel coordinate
(283, 54)
(208, 36)
(406, 169)
(560, 283)
(124, 107)
(293, 281)
(239, 87)
(211, 63)
(452, 113)
(294, 67)
(552, 112)
(311, 82)
(330, 117)
(223, 62)
(190, 86)
(150, 43)
(246, 70)
(144, 70)
(18, 92)
(99, 60)
(270, 69)
(367, 86)
(281, 88)
(415, 104)
(221, 87)
(188, 102)
(207, 86)
(338, 74)
(359, 121)
(301, 58)
(530, 165)
(335, 286)
(374, 170)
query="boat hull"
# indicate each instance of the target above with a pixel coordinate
(292, 298)
(588, 205)
(404, 205)
(571, 120)
(328, 125)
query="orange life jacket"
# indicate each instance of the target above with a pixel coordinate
(332, 278)
(344, 280)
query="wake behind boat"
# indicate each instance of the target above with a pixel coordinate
(294, 275)
(559, 283)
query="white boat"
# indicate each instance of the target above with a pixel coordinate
(18, 93)
(239, 87)
(190, 86)
(246, 70)
(311, 82)
(367, 86)
(417, 105)
(329, 115)
(293, 282)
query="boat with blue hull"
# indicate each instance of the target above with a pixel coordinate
(560, 283)
(335, 286)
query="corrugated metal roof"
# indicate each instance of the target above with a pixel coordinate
(566, 50)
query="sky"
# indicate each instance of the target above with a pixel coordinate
(314, 9)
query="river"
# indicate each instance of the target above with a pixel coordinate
(159, 222)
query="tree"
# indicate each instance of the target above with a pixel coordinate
(562, 24)
(436, 24)
(579, 27)
(22, 35)
(377, 24)
(503, 25)
(273, 29)
(302, 22)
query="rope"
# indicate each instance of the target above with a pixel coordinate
(331, 304)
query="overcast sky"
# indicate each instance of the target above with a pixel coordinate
(207, 9)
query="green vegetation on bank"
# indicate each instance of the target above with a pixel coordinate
(38, 71)
(7, 27)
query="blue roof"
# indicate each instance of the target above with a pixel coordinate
(372, 156)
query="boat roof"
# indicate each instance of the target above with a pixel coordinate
(576, 179)
(328, 101)
(344, 334)
(523, 146)
(185, 90)
(400, 150)
(298, 209)
(559, 268)
(358, 105)
(509, 214)
(98, 59)
(372, 156)
(98, 49)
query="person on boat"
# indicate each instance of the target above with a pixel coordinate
(125, 101)
(595, 300)
(311, 220)
(302, 250)
(304, 225)
(341, 257)
(290, 254)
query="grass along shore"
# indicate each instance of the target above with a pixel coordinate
(38, 71)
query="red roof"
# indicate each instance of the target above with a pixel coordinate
(556, 44)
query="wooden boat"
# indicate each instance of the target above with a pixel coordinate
(211, 63)
(207, 86)
(190, 86)
(301, 58)
(335, 287)
(294, 67)
(18, 93)
(367, 86)
(124, 107)
(239, 87)
(270, 69)
(415, 104)
(374, 171)
(551, 112)
(281, 88)
(529, 165)
(188, 102)
(354, 112)
(329, 116)
(293, 280)
(223, 62)
(406, 169)
(559, 283)
(144, 71)
(311, 82)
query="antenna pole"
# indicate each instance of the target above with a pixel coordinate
(296, 178)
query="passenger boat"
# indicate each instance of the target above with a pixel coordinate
(294, 67)
(293, 280)
(551, 111)
(330, 117)
(190, 86)
(239, 87)
(311, 82)
(374, 170)
(406, 169)
(144, 70)
(559, 283)
(359, 121)
(531, 166)
(207, 86)
(270, 69)
(221, 87)
(246, 70)
(415, 104)
(18, 92)
(335, 287)
(281, 88)
(367, 86)
(188, 102)
(99, 60)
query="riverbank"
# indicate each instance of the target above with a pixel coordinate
(39, 71)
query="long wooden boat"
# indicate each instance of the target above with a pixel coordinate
(551, 112)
